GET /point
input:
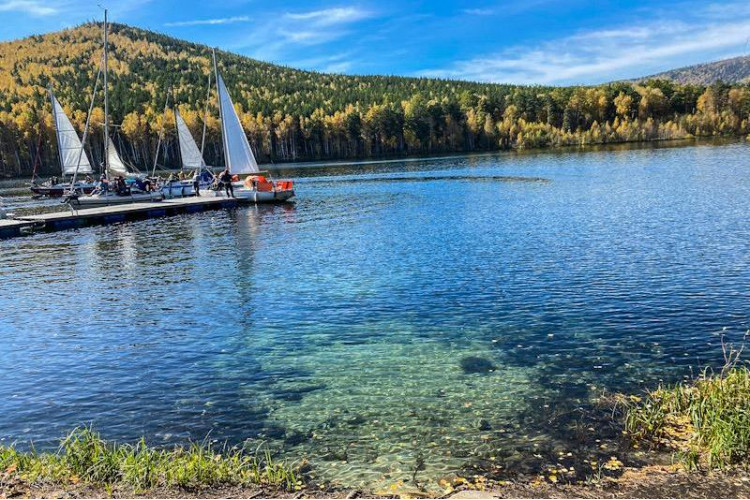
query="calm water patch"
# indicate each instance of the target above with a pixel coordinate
(420, 316)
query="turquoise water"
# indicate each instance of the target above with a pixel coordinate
(428, 317)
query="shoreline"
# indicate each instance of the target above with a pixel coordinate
(635, 482)
(386, 159)
(630, 460)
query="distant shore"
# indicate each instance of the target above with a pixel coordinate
(388, 159)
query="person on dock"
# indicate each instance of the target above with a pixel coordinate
(197, 183)
(103, 184)
(121, 187)
(226, 179)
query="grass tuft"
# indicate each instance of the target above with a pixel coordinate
(706, 421)
(83, 456)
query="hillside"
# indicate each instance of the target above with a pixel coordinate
(291, 114)
(733, 70)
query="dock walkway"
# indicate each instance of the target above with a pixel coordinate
(71, 219)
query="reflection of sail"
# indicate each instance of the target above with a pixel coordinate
(191, 155)
(70, 146)
(239, 155)
(128, 251)
(115, 166)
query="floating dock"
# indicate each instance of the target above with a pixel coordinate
(71, 219)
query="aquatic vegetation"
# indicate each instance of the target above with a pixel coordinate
(706, 421)
(84, 457)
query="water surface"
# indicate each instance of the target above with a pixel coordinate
(406, 316)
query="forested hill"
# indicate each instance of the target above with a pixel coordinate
(290, 114)
(733, 70)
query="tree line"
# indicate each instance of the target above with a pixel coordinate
(294, 115)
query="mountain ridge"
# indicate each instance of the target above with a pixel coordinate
(732, 70)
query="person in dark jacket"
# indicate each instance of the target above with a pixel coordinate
(226, 179)
(197, 183)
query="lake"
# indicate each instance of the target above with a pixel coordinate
(411, 317)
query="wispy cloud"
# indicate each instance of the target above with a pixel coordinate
(283, 38)
(330, 17)
(335, 63)
(607, 54)
(32, 7)
(478, 12)
(210, 22)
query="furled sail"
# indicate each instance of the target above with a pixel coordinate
(115, 166)
(191, 155)
(71, 148)
(239, 156)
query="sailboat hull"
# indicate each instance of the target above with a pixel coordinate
(182, 189)
(99, 200)
(57, 190)
(255, 196)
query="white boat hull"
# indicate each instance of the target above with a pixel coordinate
(182, 189)
(100, 200)
(243, 193)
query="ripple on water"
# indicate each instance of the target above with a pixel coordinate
(377, 327)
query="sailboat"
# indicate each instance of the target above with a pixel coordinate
(72, 156)
(257, 186)
(115, 193)
(192, 160)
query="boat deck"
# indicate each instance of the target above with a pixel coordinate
(71, 219)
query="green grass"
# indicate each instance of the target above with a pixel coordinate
(707, 420)
(85, 457)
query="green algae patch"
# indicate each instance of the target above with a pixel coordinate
(85, 458)
(706, 422)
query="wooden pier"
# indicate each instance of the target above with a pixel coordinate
(72, 219)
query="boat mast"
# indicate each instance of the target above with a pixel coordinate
(106, 101)
(177, 129)
(86, 130)
(205, 116)
(161, 136)
(221, 115)
(57, 132)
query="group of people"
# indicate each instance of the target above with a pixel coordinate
(221, 182)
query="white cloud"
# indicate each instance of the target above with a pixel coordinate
(210, 22)
(478, 12)
(32, 7)
(612, 53)
(335, 63)
(330, 17)
(282, 38)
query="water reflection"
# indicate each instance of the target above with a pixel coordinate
(380, 328)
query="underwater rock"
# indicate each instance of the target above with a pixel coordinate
(475, 364)
(484, 425)
(296, 393)
(294, 438)
(356, 421)
(273, 432)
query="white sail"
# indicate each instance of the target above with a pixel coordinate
(115, 166)
(191, 155)
(239, 156)
(71, 148)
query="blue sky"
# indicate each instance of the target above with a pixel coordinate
(531, 41)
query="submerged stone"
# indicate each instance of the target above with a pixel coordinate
(484, 425)
(475, 364)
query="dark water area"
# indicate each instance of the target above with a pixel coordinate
(431, 314)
